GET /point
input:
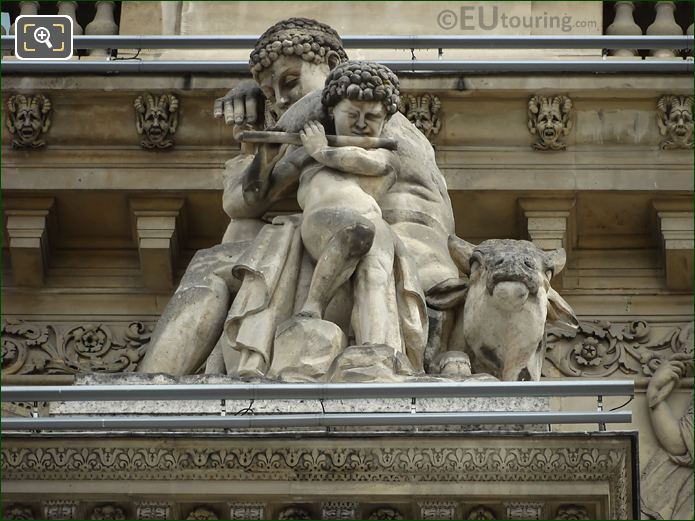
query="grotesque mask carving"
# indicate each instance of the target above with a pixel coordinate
(156, 120)
(28, 118)
(549, 118)
(423, 112)
(675, 119)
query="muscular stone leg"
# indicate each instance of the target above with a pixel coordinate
(192, 322)
(349, 238)
(376, 319)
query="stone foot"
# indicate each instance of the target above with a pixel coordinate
(370, 363)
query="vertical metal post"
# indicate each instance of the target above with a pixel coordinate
(599, 408)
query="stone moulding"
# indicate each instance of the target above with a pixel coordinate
(604, 461)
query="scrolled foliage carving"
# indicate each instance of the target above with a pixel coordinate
(600, 349)
(17, 511)
(108, 512)
(30, 348)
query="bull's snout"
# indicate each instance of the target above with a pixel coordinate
(510, 296)
(522, 269)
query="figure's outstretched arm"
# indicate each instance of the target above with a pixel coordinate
(354, 160)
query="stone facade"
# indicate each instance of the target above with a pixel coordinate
(99, 228)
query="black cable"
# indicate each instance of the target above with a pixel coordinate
(623, 405)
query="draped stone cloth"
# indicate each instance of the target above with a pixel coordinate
(667, 492)
(274, 276)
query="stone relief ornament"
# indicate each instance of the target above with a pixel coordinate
(481, 513)
(339, 510)
(289, 513)
(549, 118)
(600, 348)
(438, 510)
(59, 509)
(17, 511)
(247, 511)
(675, 120)
(156, 119)
(33, 348)
(107, 512)
(152, 510)
(28, 119)
(524, 511)
(422, 110)
(202, 514)
(572, 512)
(383, 514)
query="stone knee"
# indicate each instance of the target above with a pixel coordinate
(358, 237)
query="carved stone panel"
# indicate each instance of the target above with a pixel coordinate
(383, 514)
(675, 119)
(573, 512)
(156, 120)
(28, 119)
(524, 510)
(202, 514)
(339, 510)
(107, 512)
(481, 513)
(60, 509)
(246, 511)
(153, 510)
(293, 513)
(40, 348)
(438, 510)
(549, 119)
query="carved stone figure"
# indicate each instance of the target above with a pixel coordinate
(271, 259)
(675, 119)
(384, 514)
(423, 111)
(17, 511)
(156, 119)
(667, 480)
(202, 514)
(549, 118)
(28, 119)
(572, 512)
(293, 513)
(508, 299)
(481, 513)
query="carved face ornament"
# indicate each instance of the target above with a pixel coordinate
(675, 119)
(28, 118)
(423, 112)
(156, 119)
(549, 118)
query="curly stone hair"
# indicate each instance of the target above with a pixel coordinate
(305, 38)
(363, 81)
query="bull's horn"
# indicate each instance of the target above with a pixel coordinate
(555, 260)
(461, 252)
(559, 311)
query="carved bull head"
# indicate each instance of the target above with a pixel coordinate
(508, 299)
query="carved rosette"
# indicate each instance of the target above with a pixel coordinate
(383, 514)
(156, 120)
(422, 110)
(28, 119)
(107, 512)
(549, 119)
(202, 514)
(572, 512)
(47, 349)
(675, 120)
(600, 349)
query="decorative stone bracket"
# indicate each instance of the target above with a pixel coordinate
(159, 227)
(675, 225)
(29, 224)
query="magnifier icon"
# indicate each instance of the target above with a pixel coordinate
(43, 35)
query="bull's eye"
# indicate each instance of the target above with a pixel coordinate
(528, 264)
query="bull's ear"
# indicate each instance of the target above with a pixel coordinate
(555, 260)
(559, 311)
(461, 252)
(447, 294)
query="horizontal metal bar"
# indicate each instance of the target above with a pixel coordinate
(242, 67)
(385, 42)
(308, 420)
(281, 391)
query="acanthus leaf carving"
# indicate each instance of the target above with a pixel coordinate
(600, 349)
(51, 349)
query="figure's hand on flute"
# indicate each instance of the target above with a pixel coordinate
(313, 138)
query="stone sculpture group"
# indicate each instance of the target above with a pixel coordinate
(368, 282)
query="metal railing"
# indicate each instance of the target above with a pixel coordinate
(598, 388)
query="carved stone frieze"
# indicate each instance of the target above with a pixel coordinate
(202, 514)
(153, 510)
(293, 513)
(572, 512)
(60, 509)
(156, 119)
(481, 513)
(520, 461)
(39, 348)
(28, 119)
(422, 110)
(339, 510)
(524, 510)
(675, 119)
(247, 511)
(549, 119)
(17, 511)
(383, 514)
(107, 512)
(438, 510)
(598, 349)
